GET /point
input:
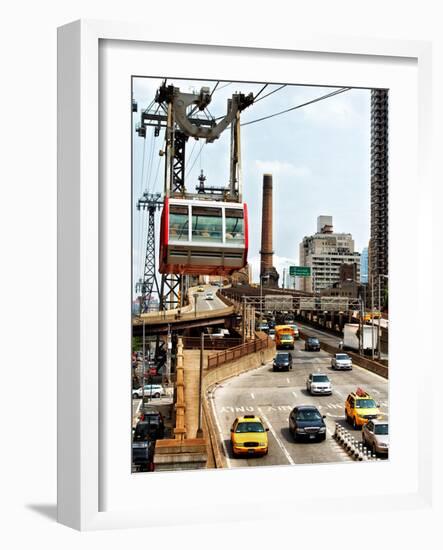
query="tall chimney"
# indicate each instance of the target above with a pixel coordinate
(268, 273)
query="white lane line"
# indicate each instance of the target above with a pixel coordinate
(288, 381)
(294, 394)
(225, 450)
(253, 396)
(339, 393)
(375, 391)
(280, 444)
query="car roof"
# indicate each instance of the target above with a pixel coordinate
(319, 374)
(379, 421)
(306, 407)
(249, 418)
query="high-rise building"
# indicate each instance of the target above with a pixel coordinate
(364, 266)
(378, 245)
(324, 253)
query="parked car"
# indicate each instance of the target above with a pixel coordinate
(143, 455)
(306, 423)
(318, 383)
(312, 344)
(341, 361)
(151, 390)
(249, 436)
(282, 361)
(375, 434)
(150, 426)
(209, 296)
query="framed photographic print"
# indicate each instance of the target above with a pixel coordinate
(235, 222)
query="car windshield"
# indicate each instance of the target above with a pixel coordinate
(365, 404)
(342, 356)
(308, 414)
(313, 340)
(285, 337)
(381, 429)
(282, 358)
(248, 427)
(320, 378)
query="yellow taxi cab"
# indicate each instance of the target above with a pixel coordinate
(360, 407)
(249, 436)
(200, 289)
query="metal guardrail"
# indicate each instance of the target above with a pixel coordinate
(191, 342)
(237, 352)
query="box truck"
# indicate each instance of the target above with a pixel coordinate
(351, 337)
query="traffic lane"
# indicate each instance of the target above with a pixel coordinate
(202, 303)
(231, 401)
(343, 383)
(254, 394)
(326, 337)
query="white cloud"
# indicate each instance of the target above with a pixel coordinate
(278, 168)
(280, 263)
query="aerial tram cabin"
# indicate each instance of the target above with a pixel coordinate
(201, 237)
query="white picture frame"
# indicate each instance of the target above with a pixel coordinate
(93, 490)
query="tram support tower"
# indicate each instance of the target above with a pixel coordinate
(148, 286)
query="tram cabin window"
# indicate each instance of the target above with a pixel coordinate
(178, 223)
(206, 224)
(234, 225)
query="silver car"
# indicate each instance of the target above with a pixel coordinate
(341, 361)
(318, 384)
(375, 435)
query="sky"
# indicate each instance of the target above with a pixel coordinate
(319, 156)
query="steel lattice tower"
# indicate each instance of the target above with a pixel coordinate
(148, 286)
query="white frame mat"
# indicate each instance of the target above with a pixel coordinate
(95, 487)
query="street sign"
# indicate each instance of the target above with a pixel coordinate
(278, 302)
(299, 271)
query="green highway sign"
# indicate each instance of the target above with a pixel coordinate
(299, 271)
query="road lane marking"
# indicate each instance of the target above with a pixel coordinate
(294, 394)
(287, 380)
(280, 443)
(220, 433)
(253, 396)
(339, 393)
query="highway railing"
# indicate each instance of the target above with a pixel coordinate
(194, 342)
(236, 352)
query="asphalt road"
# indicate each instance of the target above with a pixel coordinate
(272, 395)
(203, 304)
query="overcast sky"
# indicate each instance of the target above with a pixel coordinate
(319, 157)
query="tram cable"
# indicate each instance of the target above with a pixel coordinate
(331, 94)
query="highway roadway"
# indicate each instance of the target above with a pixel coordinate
(204, 305)
(272, 395)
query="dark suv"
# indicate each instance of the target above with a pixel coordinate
(312, 344)
(150, 426)
(282, 361)
(143, 455)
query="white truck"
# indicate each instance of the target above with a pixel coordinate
(351, 337)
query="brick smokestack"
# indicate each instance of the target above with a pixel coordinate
(268, 273)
